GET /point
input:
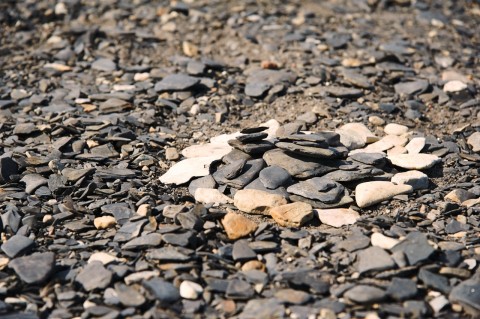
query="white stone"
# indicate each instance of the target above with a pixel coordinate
(273, 126)
(382, 241)
(211, 196)
(395, 129)
(190, 290)
(438, 303)
(450, 75)
(141, 76)
(414, 161)
(350, 140)
(397, 150)
(217, 150)
(416, 179)
(371, 193)
(185, 170)
(337, 217)
(454, 86)
(102, 257)
(376, 120)
(416, 145)
(141, 276)
(360, 130)
(224, 138)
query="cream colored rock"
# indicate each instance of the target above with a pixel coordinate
(257, 202)
(382, 241)
(471, 202)
(416, 179)
(451, 75)
(337, 217)
(171, 154)
(397, 150)
(376, 120)
(237, 226)
(187, 169)
(216, 150)
(474, 141)
(350, 140)
(273, 126)
(361, 130)
(415, 145)
(371, 193)
(414, 161)
(395, 129)
(211, 196)
(104, 222)
(104, 258)
(144, 210)
(190, 290)
(454, 86)
(292, 215)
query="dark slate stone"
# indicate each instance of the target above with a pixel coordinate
(315, 152)
(273, 177)
(249, 172)
(318, 188)
(374, 259)
(354, 175)
(434, 281)
(17, 245)
(402, 289)
(250, 130)
(146, 241)
(233, 169)
(467, 293)
(252, 137)
(260, 81)
(35, 268)
(179, 239)
(254, 149)
(189, 220)
(129, 230)
(263, 308)
(375, 159)
(415, 247)
(129, 296)
(296, 165)
(239, 290)
(455, 226)
(8, 167)
(104, 64)
(411, 88)
(176, 82)
(353, 242)
(169, 254)
(343, 201)
(94, 276)
(242, 251)
(235, 155)
(202, 182)
(162, 290)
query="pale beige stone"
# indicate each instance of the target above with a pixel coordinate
(337, 217)
(415, 145)
(257, 201)
(211, 196)
(414, 161)
(144, 210)
(185, 170)
(395, 129)
(371, 193)
(382, 241)
(454, 86)
(292, 215)
(376, 120)
(104, 222)
(459, 196)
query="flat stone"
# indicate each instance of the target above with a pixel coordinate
(242, 252)
(375, 159)
(402, 289)
(260, 81)
(129, 296)
(239, 290)
(416, 248)
(344, 200)
(190, 290)
(412, 87)
(318, 188)
(337, 217)
(35, 268)
(94, 276)
(162, 290)
(395, 129)
(232, 170)
(454, 86)
(292, 215)
(263, 308)
(211, 196)
(414, 161)
(459, 196)
(416, 145)
(104, 64)
(474, 141)
(467, 293)
(374, 259)
(297, 166)
(74, 175)
(359, 130)
(252, 137)
(382, 241)
(249, 172)
(344, 176)
(202, 182)
(257, 202)
(434, 281)
(176, 82)
(371, 193)
(416, 179)
(185, 170)
(363, 294)
(356, 79)
(237, 226)
(103, 257)
(33, 181)
(8, 167)
(254, 149)
(217, 150)
(315, 152)
(273, 177)
(17, 245)
(142, 242)
(342, 92)
(292, 296)
(104, 222)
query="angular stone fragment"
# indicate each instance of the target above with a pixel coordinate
(416, 248)
(296, 165)
(364, 294)
(176, 82)
(374, 259)
(94, 276)
(371, 193)
(185, 170)
(237, 226)
(104, 222)
(35, 268)
(382, 241)
(416, 179)
(212, 196)
(416, 145)
(292, 215)
(474, 141)
(257, 202)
